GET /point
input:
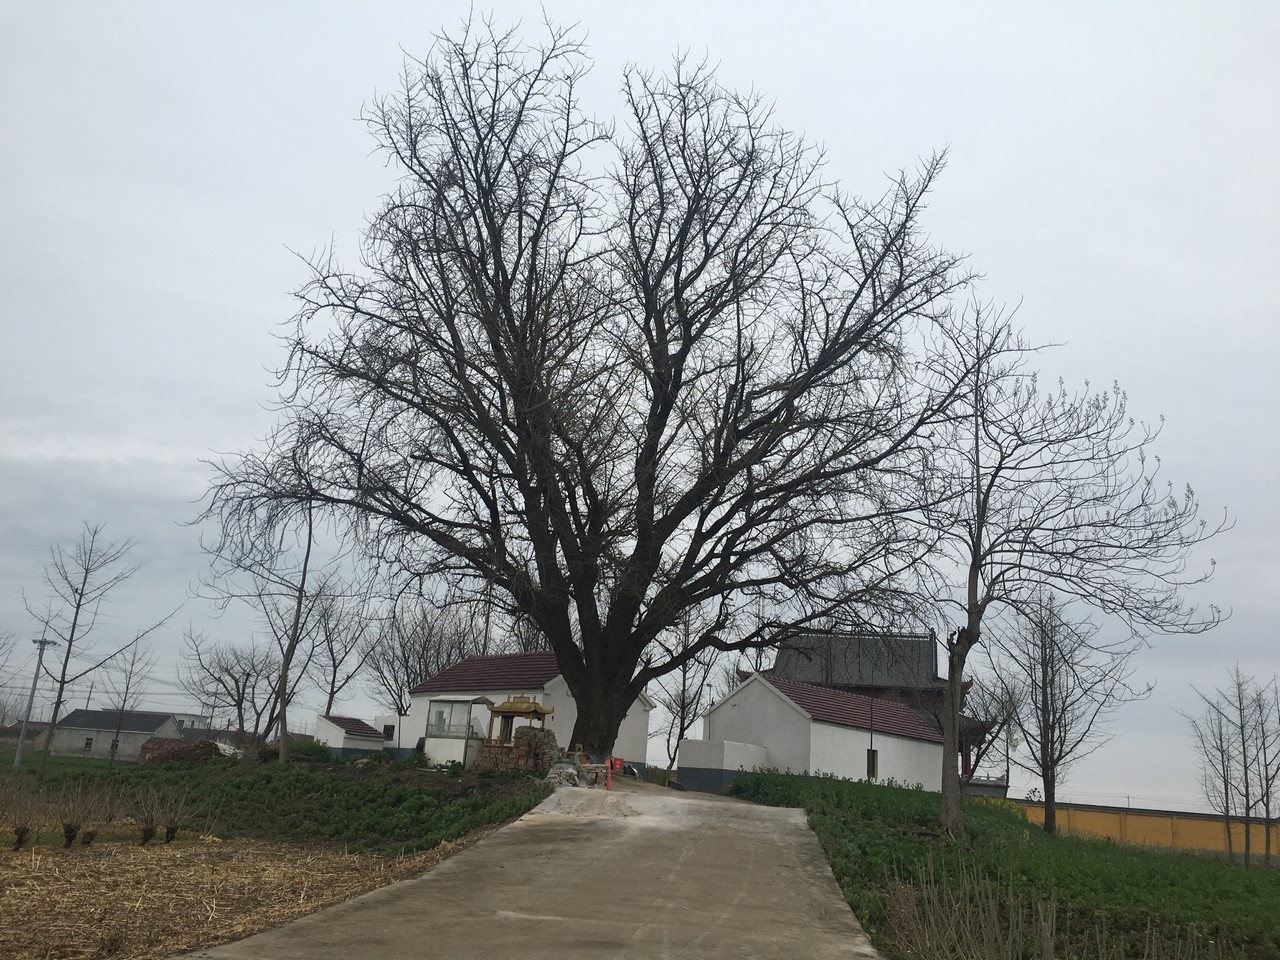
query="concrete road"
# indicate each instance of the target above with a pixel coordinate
(639, 872)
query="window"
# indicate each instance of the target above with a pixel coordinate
(873, 757)
(115, 745)
(388, 731)
(449, 718)
(88, 743)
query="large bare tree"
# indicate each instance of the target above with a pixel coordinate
(80, 579)
(1050, 489)
(612, 373)
(1064, 682)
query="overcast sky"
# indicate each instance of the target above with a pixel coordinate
(1114, 171)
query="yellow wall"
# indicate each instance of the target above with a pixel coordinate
(1156, 828)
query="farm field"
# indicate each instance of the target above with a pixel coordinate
(256, 845)
(1012, 891)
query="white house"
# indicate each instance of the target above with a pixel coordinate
(348, 736)
(92, 733)
(771, 722)
(450, 711)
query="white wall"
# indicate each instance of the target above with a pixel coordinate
(756, 713)
(722, 755)
(842, 751)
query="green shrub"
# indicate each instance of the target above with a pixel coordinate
(311, 751)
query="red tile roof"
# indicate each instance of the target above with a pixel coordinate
(516, 671)
(856, 710)
(355, 727)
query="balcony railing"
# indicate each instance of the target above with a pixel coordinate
(450, 730)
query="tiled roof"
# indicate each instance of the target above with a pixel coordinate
(856, 710)
(355, 727)
(133, 721)
(516, 671)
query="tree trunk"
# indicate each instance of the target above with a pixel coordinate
(1050, 803)
(295, 632)
(600, 714)
(951, 819)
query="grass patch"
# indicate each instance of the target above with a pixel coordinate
(394, 807)
(880, 838)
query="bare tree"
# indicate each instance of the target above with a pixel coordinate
(267, 557)
(611, 397)
(1215, 745)
(1053, 490)
(685, 693)
(989, 709)
(239, 681)
(6, 650)
(342, 649)
(10, 702)
(1266, 712)
(124, 681)
(1066, 683)
(1238, 739)
(415, 642)
(80, 580)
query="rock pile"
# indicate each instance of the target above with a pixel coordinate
(532, 748)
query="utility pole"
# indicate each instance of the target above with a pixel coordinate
(31, 698)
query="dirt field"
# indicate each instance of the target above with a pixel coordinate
(125, 901)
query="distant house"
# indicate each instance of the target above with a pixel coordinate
(90, 733)
(891, 666)
(805, 728)
(348, 736)
(450, 711)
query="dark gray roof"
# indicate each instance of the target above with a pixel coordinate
(134, 721)
(899, 660)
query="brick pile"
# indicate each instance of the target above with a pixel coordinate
(533, 748)
(167, 748)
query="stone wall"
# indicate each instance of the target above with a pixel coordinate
(534, 748)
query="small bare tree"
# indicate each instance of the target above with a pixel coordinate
(1238, 738)
(266, 556)
(239, 681)
(685, 693)
(124, 686)
(416, 641)
(1066, 683)
(80, 580)
(343, 627)
(1212, 735)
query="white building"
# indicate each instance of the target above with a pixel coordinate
(348, 736)
(770, 722)
(450, 711)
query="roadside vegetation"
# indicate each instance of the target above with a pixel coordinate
(392, 807)
(1011, 891)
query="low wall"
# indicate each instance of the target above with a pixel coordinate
(1156, 828)
(711, 765)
